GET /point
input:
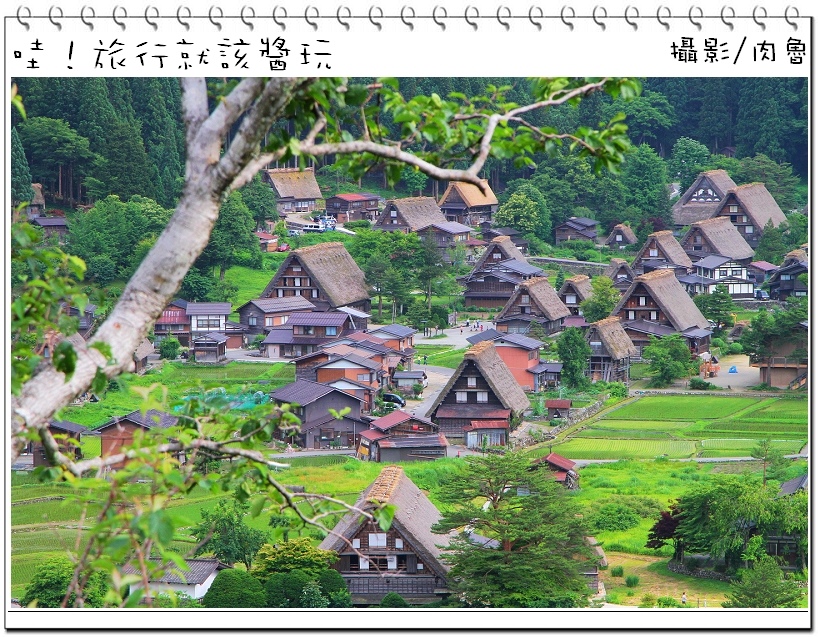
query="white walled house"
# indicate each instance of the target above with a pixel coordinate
(195, 582)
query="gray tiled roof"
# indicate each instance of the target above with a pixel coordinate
(198, 570)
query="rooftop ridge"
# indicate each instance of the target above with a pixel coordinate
(386, 483)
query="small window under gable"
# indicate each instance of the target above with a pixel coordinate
(471, 381)
(496, 255)
(654, 252)
(356, 543)
(377, 540)
(461, 396)
(398, 542)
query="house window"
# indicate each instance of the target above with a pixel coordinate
(697, 239)
(735, 272)
(296, 268)
(570, 298)
(356, 543)
(398, 542)
(363, 377)
(733, 208)
(393, 213)
(471, 381)
(482, 397)
(631, 315)
(654, 252)
(642, 300)
(744, 218)
(314, 294)
(327, 434)
(279, 293)
(420, 566)
(525, 299)
(364, 564)
(461, 396)
(654, 316)
(297, 282)
(496, 255)
(207, 322)
(332, 330)
(748, 229)
(391, 562)
(269, 321)
(251, 321)
(377, 540)
(619, 237)
(284, 319)
(722, 273)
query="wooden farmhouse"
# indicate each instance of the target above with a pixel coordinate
(760, 271)
(558, 407)
(207, 317)
(521, 355)
(621, 236)
(787, 363)
(621, 273)
(401, 437)
(784, 281)
(407, 559)
(36, 207)
(174, 321)
(119, 431)
(534, 301)
(562, 468)
(716, 270)
(703, 198)
(209, 348)
(409, 214)
(52, 227)
(65, 433)
(319, 429)
(324, 274)
(267, 242)
(353, 206)
(656, 305)
(140, 356)
(661, 251)
(549, 374)
(405, 380)
(716, 236)
(195, 581)
(497, 273)
(468, 204)
(576, 229)
(574, 291)
(481, 400)
(296, 190)
(611, 351)
(259, 316)
(398, 337)
(445, 235)
(85, 317)
(750, 208)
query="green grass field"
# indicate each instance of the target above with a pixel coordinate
(608, 449)
(681, 407)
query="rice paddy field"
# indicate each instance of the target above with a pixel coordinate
(689, 427)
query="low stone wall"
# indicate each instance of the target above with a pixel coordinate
(733, 394)
(589, 268)
(701, 573)
(754, 304)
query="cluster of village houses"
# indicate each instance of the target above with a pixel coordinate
(315, 312)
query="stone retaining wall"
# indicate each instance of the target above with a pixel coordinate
(589, 268)
(701, 573)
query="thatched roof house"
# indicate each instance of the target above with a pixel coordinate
(716, 236)
(483, 359)
(750, 207)
(703, 199)
(467, 203)
(407, 558)
(614, 341)
(533, 301)
(326, 274)
(620, 272)
(409, 214)
(676, 307)
(499, 249)
(621, 235)
(574, 291)
(661, 247)
(296, 190)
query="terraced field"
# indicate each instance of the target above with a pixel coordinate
(690, 426)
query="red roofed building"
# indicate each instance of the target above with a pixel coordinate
(353, 206)
(558, 408)
(486, 432)
(562, 467)
(399, 436)
(267, 242)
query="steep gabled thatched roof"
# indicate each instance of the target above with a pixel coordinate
(723, 236)
(495, 372)
(144, 350)
(614, 267)
(759, 204)
(505, 246)
(415, 515)
(581, 284)
(331, 268)
(417, 212)
(470, 194)
(294, 182)
(614, 339)
(671, 298)
(544, 300)
(668, 244)
(627, 233)
(686, 212)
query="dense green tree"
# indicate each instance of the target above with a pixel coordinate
(284, 590)
(375, 274)
(311, 597)
(330, 582)
(764, 586)
(519, 212)
(760, 101)
(768, 330)
(259, 198)
(603, 299)
(169, 348)
(718, 306)
(396, 287)
(224, 533)
(21, 189)
(772, 246)
(126, 169)
(714, 125)
(644, 177)
(687, 160)
(295, 554)
(777, 178)
(535, 537)
(770, 456)
(797, 230)
(233, 588)
(231, 236)
(414, 180)
(543, 229)
(669, 358)
(393, 600)
(647, 117)
(573, 350)
(430, 267)
(49, 585)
